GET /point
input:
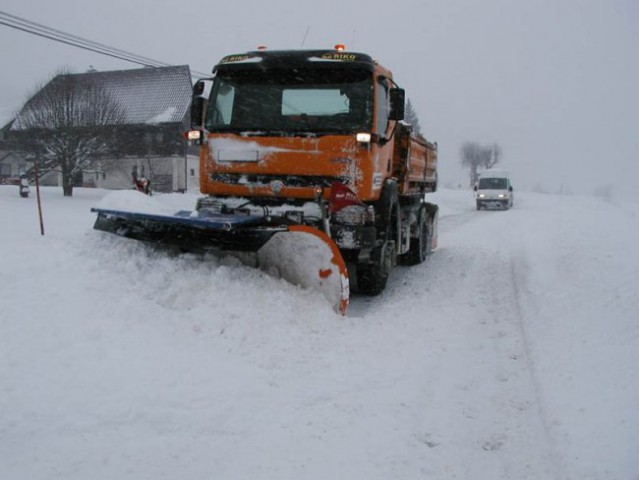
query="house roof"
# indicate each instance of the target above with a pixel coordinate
(4, 129)
(147, 95)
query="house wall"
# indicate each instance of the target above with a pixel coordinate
(12, 165)
(193, 174)
(167, 174)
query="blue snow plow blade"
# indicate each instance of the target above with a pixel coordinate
(191, 231)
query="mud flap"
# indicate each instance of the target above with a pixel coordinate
(307, 257)
(433, 214)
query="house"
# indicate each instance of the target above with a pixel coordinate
(147, 140)
(12, 163)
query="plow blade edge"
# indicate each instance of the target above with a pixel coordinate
(300, 254)
(307, 257)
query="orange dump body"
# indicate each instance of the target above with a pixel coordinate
(415, 163)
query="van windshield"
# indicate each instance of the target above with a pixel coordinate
(493, 184)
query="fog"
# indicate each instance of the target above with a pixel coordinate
(554, 83)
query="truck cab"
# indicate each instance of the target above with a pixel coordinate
(494, 190)
(317, 138)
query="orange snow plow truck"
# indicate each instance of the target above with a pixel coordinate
(307, 168)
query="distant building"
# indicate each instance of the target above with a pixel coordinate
(149, 141)
(12, 163)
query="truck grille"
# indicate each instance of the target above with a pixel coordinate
(287, 180)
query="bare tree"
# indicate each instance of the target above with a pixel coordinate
(71, 120)
(495, 155)
(476, 156)
(473, 156)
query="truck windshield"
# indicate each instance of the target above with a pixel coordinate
(289, 101)
(492, 184)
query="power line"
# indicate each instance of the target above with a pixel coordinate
(60, 36)
(73, 40)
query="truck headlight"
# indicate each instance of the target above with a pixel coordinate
(364, 137)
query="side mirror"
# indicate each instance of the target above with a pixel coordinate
(475, 188)
(197, 110)
(197, 105)
(510, 188)
(397, 100)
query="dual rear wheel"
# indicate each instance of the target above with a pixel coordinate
(421, 243)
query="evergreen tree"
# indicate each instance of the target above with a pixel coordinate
(411, 117)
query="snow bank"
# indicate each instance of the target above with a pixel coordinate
(510, 353)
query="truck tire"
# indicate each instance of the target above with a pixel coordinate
(372, 276)
(420, 246)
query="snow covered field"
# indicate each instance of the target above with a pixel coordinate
(512, 353)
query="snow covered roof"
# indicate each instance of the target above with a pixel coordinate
(4, 129)
(147, 95)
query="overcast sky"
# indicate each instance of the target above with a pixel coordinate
(554, 82)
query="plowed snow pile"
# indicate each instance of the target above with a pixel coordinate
(510, 354)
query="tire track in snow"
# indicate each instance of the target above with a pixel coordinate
(500, 270)
(486, 367)
(518, 269)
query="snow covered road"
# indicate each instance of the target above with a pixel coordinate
(510, 354)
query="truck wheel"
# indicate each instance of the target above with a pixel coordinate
(421, 245)
(372, 276)
(478, 206)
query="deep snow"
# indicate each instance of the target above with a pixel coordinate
(510, 354)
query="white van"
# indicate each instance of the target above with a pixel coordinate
(494, 190)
